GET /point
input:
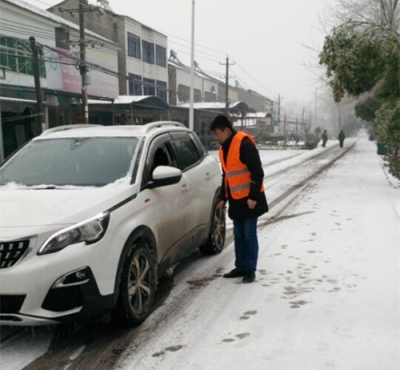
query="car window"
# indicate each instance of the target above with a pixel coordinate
(186, 151)
(200, 147)
(95, 161)
(160, 154)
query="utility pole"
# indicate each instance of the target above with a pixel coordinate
(36, 74)
(192, 66)
(82, 63)
(279, 111)
(227, 64)
(302, 119)
(315, 109)
(83, 69)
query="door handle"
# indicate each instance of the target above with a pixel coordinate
(185, 187)
(208, 176)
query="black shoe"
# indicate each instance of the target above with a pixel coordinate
(249, 277)
(234, 273)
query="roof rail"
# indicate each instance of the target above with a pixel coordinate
(149, 126)
(67, 127)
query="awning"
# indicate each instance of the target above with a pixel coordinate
(218, 106)
(136, 102)
(16, 100)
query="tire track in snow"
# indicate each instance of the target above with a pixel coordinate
(102, 346)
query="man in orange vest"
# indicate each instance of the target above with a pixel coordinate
(242, 187)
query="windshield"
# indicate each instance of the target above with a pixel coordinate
(94, 161)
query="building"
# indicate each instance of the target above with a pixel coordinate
(179, 75)
(58, 43)
(142, 56)
(255, 100)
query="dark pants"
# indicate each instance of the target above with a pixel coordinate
(341, 143)
(246, 244)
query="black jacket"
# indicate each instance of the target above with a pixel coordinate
(238, 208)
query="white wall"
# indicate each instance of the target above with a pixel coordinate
(200, 83)
(16, 23)
(137, 66)
(19, 20)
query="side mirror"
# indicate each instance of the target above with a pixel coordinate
(164, 176)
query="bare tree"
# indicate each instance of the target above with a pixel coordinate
(382, 14)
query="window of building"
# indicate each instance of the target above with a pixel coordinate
(62, 38)
(135, 84)
(134, 46)
(17, 57)
(148, 52)
(149, 86)
(210, 97)
(161, 56)
(162, 90)
(197, 96)
(183, 93)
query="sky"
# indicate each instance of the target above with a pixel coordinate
(269, 40)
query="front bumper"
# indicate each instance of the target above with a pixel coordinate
(63, 303)
(41, 290)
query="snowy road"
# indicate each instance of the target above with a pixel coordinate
(326, 296)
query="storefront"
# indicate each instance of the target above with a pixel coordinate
(16, 124)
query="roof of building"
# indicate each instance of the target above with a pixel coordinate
(53, 17)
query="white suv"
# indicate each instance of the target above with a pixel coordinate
(92, 216)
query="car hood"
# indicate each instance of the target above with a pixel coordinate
(39, 208)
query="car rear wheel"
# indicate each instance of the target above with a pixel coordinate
(138, 284)
(216, 240)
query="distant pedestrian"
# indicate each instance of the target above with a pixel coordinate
(324, 139)
(242, 186)
(341, 138)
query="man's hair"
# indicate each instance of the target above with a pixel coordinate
(221, 122)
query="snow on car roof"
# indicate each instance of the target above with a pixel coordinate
(72, 131)
(94, 131)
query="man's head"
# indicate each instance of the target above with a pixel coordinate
(222, 128)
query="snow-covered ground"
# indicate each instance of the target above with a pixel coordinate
(327, 291)
(271, 156)
(37, 341)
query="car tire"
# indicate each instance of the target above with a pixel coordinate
(216, 240)
(138, 284)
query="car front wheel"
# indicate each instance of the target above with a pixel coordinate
(138, 284)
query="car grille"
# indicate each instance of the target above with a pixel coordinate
(11, 252)
(11, 303)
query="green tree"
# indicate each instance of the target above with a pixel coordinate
(362, 57)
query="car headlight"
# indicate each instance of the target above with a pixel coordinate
(89, 231)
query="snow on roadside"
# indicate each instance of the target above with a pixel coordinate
(24, 347)
(326, 296)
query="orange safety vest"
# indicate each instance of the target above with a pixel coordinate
(237, 175)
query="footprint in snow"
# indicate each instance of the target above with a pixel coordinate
(169, 349)
(238, 336)
(297, 304)
(247, 315)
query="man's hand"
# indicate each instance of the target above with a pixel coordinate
(221, 205)
(251, 203)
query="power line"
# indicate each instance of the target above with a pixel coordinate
(254, 79)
